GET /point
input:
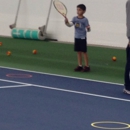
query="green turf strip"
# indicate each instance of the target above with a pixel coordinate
(59, 58)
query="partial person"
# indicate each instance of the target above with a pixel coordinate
(82, 26)
(127, 69)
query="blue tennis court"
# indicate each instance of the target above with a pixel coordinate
(39, 101)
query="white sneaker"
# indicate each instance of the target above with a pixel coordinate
(126, 91)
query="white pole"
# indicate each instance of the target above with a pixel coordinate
(16, 17)
(17, 11)
(48, 17)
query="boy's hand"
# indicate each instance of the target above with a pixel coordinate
(66, 20)
(89, 28)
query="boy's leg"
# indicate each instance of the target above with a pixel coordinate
(86, 59)
(83, 49)
(79, 56)
(86, 68)
(79, 67)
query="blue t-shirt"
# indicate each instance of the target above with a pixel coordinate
(80, 27)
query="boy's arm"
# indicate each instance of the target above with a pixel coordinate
(87, 25)
(69, 24)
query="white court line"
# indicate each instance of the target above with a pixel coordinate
(61, 76)
(82, 93)
(4, 80)
(15, 86)
(72, 91)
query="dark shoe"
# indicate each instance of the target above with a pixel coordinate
(126, 91)
(86, 69)
(78, 68)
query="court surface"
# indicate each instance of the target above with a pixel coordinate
(38, 101)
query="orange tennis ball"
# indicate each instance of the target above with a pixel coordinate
(34, 51)
(114, 58)
(8, 53)
(0, 43)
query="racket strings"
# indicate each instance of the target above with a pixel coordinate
(60, 7)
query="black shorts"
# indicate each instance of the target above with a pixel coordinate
(80, 45)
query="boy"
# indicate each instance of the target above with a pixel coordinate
(81, 27)
(127, 69)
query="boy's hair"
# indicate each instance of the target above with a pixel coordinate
(82, 6)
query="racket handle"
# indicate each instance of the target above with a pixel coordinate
(66, 20)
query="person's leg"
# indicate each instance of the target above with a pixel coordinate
(127, 70)
(83, 47)
(86, 68)
(79, 56)
(86, 59)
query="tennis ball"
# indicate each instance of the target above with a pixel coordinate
(8, 53)
(34, 51)
(0, 43)
(114, 58)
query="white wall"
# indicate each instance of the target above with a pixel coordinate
(107, 19)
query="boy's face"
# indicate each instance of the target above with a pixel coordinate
(80, 12)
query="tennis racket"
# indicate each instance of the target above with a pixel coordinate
(60, 7)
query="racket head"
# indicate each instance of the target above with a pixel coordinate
(60, 7)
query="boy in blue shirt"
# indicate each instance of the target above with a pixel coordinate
(81, 24)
